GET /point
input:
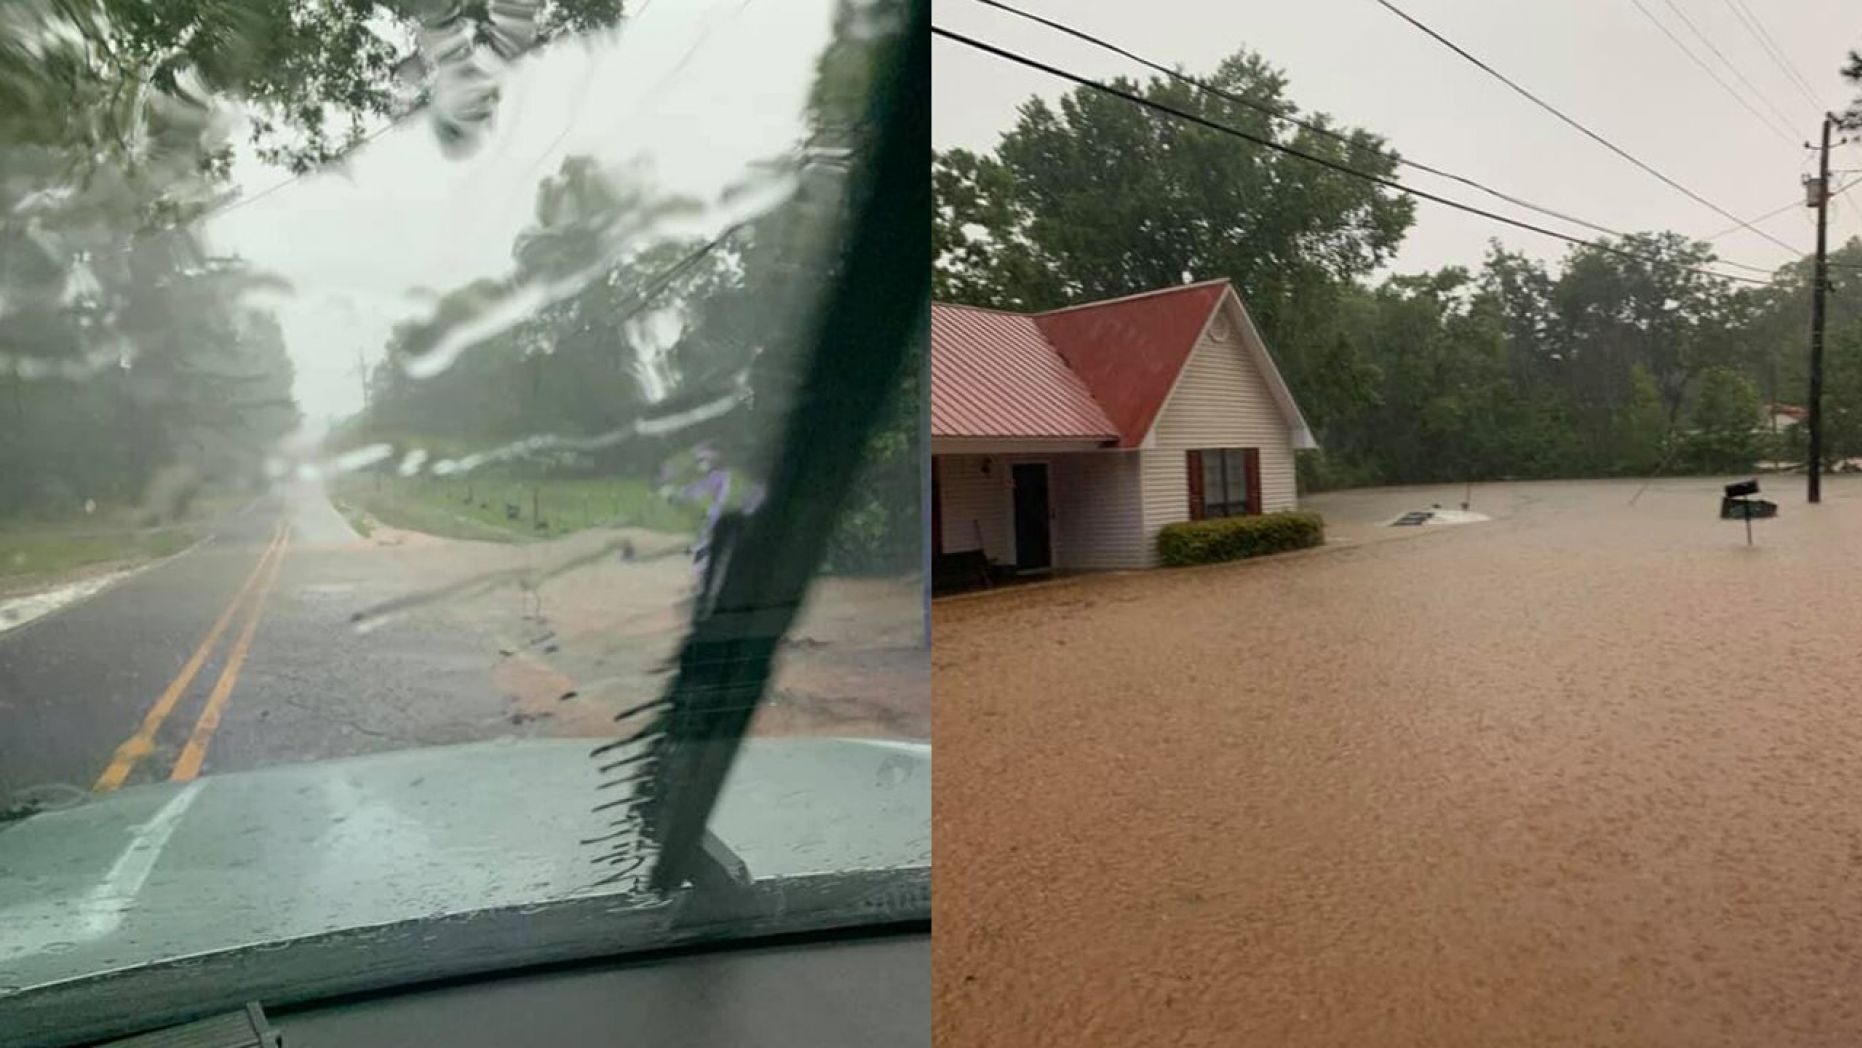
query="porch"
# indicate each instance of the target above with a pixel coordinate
(1011, 509)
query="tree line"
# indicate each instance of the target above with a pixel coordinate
(617, 341)
(1625, 357)
(135, 365)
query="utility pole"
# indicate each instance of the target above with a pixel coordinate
(362, 373)
(1819, 197)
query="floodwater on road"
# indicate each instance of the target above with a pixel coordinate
(1588, 773)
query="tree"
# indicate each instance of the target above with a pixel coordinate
(1643, 427)
(1103, 198)
(1842, 395)
(1525, 371)
(314, 75)
(1659, 309)
(606, 316)
(1724, 421)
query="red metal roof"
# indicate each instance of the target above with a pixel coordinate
(994, 375)
(1130, 350)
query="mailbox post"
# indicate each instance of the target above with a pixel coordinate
(1738, 504)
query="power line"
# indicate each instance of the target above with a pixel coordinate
(1320, 129)
(1707, 69)
(1752, 25)
(1334, 165)
(1594, 136)
(1795, 203)
(227, 207)
(415, 108)
(1280, 114)
(1849, 205)
(664, 278)
(1711, 46)
(239, 202)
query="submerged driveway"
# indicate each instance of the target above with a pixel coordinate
(1588, 773)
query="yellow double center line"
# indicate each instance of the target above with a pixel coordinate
(139, 745)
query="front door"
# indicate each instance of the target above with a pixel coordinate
(1034, 548)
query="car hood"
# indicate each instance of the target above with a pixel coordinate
(265, 859)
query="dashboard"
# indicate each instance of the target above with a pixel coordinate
(873, 989)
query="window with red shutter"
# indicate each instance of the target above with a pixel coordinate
(1223, 482)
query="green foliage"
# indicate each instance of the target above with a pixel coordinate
(313, 75)
(28, 554)
(1642, 426)
(1605, 363)
(131, 364)
(359, 520)
(1723, 436)
(1102, 198)
(1233, 538)
(475, 507)
(639, 323)
(1842, 399)
(881, 530)
(1317, 470)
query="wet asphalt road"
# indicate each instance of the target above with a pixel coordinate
(98, 695)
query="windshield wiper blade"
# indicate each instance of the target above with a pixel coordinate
(876, 317)
(24, 804)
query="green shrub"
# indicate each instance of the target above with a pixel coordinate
(1232, 538)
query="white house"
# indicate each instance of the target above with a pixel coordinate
(1781, 417)
(1067, 439)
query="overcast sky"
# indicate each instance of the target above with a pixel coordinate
(1601, 61)
(698, 89)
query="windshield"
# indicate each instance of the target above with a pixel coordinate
(407, 507)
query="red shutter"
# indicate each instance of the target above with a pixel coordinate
(1194, 460)
(1251, 464)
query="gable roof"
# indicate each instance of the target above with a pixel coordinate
(1107, 370)
(1130, 350)
(994, 375)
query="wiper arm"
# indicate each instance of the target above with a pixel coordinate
(876, 316)
(246, 1028)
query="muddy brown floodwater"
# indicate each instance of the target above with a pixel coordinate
(1587, 774)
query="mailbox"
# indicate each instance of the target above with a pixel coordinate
(1738, 504)
(1747, 509)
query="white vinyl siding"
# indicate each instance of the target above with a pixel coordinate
(1220, 401)
(978, 507)
(1165, 479)
(1098, 513)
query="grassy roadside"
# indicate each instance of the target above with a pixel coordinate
(508, 509)
(40, 551)
(359, 520)
(39, 555)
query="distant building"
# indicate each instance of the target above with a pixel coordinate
(1067, 439)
